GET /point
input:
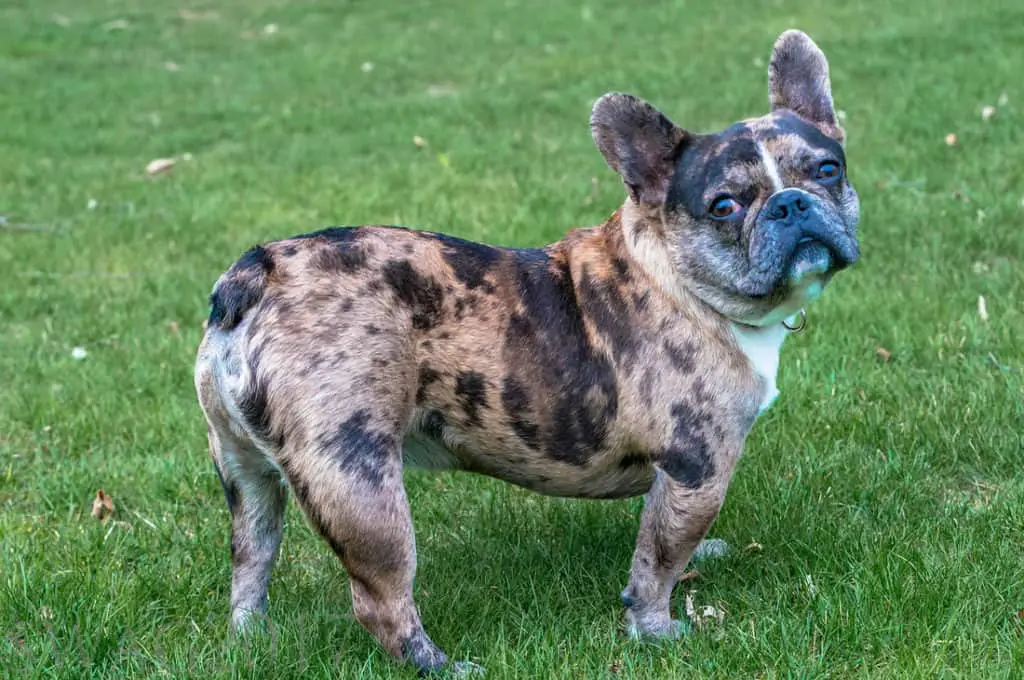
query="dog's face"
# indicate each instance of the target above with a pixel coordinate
(757, 218)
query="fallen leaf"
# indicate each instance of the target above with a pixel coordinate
(883, 354)
(186, 156)
(1004, 99)
(688, 576)
(980, 267)
(189, 15)
(172, 66)
(79, 353)
(102, 506)
(159, 165)
(841, 115)
(754, 547)
(1019, 614)
(812, 589)
(419, 141)
(951, 139)
(366, 67)
(116, 25)
(981, 216)
(987, 112)
(61, 20)
(174, 328)
(615, 667)
(441, 90)
(270, 29)
(691, 611)
(92, 204)
(46, 613)
(982, 308)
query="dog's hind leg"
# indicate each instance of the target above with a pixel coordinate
(256, 496)
(349, 482)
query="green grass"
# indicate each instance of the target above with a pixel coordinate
(895, 487)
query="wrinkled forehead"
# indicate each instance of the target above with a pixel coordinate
(737, 155)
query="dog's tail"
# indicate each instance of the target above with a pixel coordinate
(240, 288)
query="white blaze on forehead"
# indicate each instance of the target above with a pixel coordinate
(771, 168)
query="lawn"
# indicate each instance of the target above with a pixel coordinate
(882, 499)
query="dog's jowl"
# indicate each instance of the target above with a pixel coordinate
(630, 358)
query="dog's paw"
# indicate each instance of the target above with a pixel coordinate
(711, 548)
(652, 631)
(455, 669)
(467, 669)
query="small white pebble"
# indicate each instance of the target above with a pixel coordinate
(79, 353)
(987, 112)
(366, 67)
(270, 29)
(92, 204)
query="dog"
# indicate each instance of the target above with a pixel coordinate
(627, 359)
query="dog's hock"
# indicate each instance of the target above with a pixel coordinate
(639, 142)
(798, 81)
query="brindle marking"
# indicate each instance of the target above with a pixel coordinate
(624, 359)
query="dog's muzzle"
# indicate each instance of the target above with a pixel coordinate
(796, 237)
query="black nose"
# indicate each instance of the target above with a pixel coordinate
(788, 205)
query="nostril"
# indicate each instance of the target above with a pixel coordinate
(802, 204)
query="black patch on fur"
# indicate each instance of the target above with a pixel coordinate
(359, 450)
(428, 376)
(472, 393)
(633, 460)
(787, 123)
(683, 359)
(338, 235)
(464, 303)
(371, 329)
(253, 403)
(703, 165)
(517, 407)
(469, 261)
(345, 306)
(621, 268)
(546, 347)
(290, 251)
(241, 289)
(433, 425)
(688, 460)
(422, 294)
(604, 304)
(345, 258)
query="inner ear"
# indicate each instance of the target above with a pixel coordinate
(639, 142)
(798, 80)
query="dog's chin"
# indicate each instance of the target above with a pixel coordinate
(803, 281)
(811, 260)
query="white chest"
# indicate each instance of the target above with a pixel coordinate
(762, 346)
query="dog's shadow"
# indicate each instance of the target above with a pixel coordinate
(491, 552)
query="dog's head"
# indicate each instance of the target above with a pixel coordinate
(754, 220)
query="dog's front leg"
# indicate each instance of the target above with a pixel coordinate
(676, 516)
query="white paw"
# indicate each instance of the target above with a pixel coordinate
(711, 548)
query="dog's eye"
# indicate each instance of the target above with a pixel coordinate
(829, 171)
(724, 207)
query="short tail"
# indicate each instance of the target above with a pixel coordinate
(240, 288)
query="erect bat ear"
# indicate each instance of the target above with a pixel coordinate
(639, 143)
(798, 81)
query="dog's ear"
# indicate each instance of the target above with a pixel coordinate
(640, 144)
(798, 80)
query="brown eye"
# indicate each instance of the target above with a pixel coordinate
(829, 170)
(724, 207)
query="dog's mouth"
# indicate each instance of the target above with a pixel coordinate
(811, 259)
